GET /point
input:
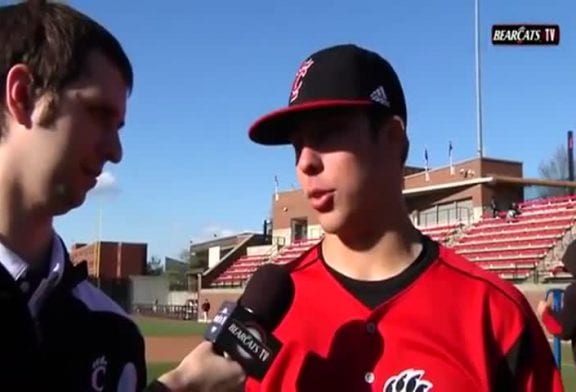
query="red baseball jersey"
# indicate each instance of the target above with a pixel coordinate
(551, 323)
(446, 325)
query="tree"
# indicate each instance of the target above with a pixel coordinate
(154, 266)
(191, 259)
(184, 255)
(555, 168)
(176, 271)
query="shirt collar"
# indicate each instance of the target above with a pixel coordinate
(17, 267)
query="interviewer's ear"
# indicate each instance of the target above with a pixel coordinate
(19, 102)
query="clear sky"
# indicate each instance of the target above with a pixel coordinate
(206, 69)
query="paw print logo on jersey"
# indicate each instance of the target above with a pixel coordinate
(409, 380)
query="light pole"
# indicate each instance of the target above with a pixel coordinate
(97, 248)
(479, 135)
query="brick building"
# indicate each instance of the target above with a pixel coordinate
(112, 260)
(457, 194)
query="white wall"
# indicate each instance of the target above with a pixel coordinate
(477, 213)
(261, 250)
(213, 256)
(180, 297)
(145, 289)
(286, 234)
(313, 232)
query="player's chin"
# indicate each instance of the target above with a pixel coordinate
(331, 222)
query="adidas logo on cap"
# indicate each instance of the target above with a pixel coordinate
(379, 95)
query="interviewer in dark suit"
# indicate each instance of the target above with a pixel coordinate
(64, 83)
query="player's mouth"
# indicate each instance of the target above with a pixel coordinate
(322, 200)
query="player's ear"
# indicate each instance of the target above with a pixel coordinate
(18, 98)
(395, 133)
(396, 129)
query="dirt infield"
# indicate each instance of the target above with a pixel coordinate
(170, 349)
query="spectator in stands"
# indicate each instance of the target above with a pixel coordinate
(514, 210)
(494, 207)
(562, 324)
(205, 310)
(378, 305)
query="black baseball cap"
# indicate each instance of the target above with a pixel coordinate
(338, 76)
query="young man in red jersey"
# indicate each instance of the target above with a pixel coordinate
(378, 306)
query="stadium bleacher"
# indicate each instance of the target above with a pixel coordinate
(294, 250)
(515, 248)
(241, 269)
(441, 233)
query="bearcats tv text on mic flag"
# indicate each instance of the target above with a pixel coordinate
(243, 330)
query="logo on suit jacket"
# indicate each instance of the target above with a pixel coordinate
(99, 373)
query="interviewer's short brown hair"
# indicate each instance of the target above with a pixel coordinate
(53, 40)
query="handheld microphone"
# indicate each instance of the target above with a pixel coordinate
(243, 329)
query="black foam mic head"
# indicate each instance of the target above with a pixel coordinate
(269, 294)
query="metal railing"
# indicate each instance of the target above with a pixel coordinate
(442, 217)
(177, 312)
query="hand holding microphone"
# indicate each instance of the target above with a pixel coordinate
(239, 339)
(203, 371)
(243, 330)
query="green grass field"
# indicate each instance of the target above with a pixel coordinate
(159, 327)
(155, 370)
(568, 369)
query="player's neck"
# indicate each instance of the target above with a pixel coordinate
(26, 233)
(374, 255)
